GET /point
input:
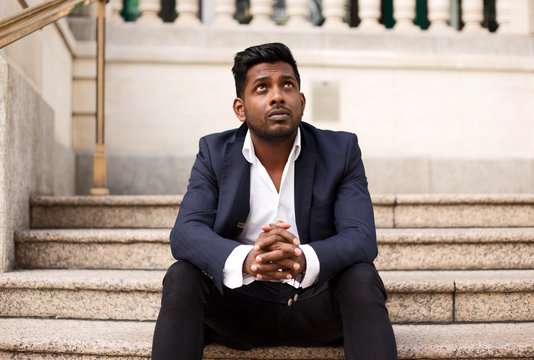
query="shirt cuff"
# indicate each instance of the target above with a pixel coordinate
(233, 276)
(312, 266)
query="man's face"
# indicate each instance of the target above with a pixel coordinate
(271, 104)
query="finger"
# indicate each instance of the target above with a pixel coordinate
(271, 268)
(275, 275)
(289, 265)
(268, 238)
(279, 223)
(285, 247)
(271, 256)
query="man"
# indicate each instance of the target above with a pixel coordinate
(275, 236)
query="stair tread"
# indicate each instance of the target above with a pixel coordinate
(455, 235)
(95, 235)
(378, 199)
(112, 280)
(127, 338)
(150, 280)
(110, 200)
(384, 235)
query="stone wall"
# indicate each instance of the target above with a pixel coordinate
(36, 155)
(26, 151)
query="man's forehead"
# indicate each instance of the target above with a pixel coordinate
(268, 69)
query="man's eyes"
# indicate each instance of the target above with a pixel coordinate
(261, 87)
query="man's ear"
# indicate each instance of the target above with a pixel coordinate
(239, 109)
(303, 102)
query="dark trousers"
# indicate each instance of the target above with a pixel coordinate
(351, 310)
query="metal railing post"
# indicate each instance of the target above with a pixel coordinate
(99, 160)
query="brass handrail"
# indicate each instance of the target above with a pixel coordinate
(33, 18)
(99, 157)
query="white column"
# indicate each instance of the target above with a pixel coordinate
(116, 7)
(334, 12)
(439, 12)
(297, 11)
(504, 16)
(224, 12)
(515, 16)
(473, 14)
(404, 14)
(149, 10)
(369, 11)
(187, 12)
(261, 12)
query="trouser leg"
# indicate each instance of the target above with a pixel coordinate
(360, 296)
(179, 332)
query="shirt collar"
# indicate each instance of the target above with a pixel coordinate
(250, 155)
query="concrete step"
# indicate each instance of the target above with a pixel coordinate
(93, 249)
(412, 211)
(455, 248)
(39, 339)
(104, 211)
(414, 296)
(399, 249)
(403, 211)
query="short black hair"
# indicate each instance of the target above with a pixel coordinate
(265, 53)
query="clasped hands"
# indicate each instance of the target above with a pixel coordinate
(276, 254)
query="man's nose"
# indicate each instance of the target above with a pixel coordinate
(277, 96)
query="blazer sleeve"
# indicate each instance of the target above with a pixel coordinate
(193, 238)
(354, 240)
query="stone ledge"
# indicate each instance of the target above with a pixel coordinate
(455, 235)
(403, 211)
(384, 235)
(120, 236)
(111, 200)
(459, 281)
(464, 199)
(150, 280)
(99, 280)
(377, 199)
(70, 338)
(157, 43)
(399, 249)
(414, 296)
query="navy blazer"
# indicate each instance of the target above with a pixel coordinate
(333, 209)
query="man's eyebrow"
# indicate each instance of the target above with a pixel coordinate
(260, 79)
(289, 77)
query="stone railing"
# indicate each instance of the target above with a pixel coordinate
(467, 16)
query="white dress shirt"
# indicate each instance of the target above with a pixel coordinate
(268, 206)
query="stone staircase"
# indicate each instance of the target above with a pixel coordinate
(459, 271)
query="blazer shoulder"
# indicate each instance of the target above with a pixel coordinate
(328, 138)
(219, 139)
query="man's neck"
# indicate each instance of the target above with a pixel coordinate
(273, 156)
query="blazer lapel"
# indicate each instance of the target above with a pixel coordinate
(304, 178)
(234, 189)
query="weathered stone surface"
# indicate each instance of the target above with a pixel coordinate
(104, 212)
(76, 339)
(414, 296)
(458, 248)
(26, 154)
(464, 210)
(495, 296)
(94, 248)
(94, 294)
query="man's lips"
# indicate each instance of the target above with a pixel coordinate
(279, 114)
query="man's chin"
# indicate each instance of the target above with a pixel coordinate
(281, 135)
